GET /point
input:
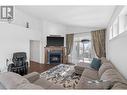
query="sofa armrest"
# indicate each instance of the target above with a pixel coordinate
(32, 76)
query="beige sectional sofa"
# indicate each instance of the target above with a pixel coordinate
(107, 77)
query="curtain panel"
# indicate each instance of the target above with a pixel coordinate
(69, 42)
(98, 39)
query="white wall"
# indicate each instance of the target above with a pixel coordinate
(117, 47)
(20, 18)
(14, 37)
(117, 52)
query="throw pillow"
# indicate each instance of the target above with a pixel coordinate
(96, 63)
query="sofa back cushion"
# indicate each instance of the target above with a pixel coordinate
(96, 63)
(11, 80)
(104, 67)
(113, 76)
(92, 74)
(104, 60)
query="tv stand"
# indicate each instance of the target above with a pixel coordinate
(53, 49)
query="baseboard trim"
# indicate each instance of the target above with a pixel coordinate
(35, 62)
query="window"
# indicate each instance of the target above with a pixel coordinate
(110, 33)
(83, 49)
(115, 28)
(80, 48)
(125, 22)
(120, 24)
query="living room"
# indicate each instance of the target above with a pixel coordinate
(59, 43)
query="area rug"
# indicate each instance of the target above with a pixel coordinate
(63, 75)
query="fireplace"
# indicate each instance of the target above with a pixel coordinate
(55, 54)
(54, 57)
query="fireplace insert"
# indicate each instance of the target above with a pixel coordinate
(54, 57)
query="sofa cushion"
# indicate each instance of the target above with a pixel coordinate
(113, 76)
(56, 86)
(96, 63)
(83, 83)
(92, 74)
(28, 86)
(119, 86)
(32, 76)
(86, 83)
(47, 84)
(11, 80)
(82, 65)
(43, 83)
(1, 86)
(79, 68)
(104, 67)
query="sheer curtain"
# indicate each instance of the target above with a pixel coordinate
(78, 52)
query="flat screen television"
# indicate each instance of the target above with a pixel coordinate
(55, 41)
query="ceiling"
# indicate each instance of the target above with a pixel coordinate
(88, 16)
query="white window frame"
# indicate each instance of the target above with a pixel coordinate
(111, 33)
(119, 25)
(115, 28)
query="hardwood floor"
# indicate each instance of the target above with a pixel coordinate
(36, 67)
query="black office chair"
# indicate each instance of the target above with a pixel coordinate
(19, 65)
